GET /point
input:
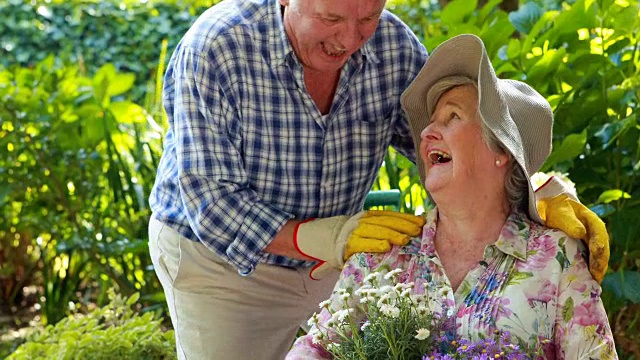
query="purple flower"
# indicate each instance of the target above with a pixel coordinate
(482, 349)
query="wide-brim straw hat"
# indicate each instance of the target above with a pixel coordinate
(519, 117)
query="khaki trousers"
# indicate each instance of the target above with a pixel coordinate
(218, 314)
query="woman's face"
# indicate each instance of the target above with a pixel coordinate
(325, 33)
(454, 155)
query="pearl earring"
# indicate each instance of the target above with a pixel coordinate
(498, 162)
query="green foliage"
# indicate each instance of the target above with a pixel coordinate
(114, 331)
(126, 34)
(76, 168)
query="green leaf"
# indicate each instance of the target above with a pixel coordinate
(133, 299)
(623, 283)
(496, 33)
(89, 112)
(487, 10)
(562, 259)
(548, 63)
(613, 195)
(120, 84)
(580, 15)
(542, 24)
(627, 21)
(570, 148)
(126, 112)
(513, 48)
(456, 11)
(526, 17)
(610, 132)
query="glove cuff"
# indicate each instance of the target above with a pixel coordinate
(553, 187)
(319, 239)
(297, 245)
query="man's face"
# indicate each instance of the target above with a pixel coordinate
(325, 33)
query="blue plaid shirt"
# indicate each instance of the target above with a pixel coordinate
(247, 149)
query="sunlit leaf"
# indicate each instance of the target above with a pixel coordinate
(578, 16)
(548, 63)
(542, 24)
(613, 195)
(120, 84)
(456, 11)
(127, 112)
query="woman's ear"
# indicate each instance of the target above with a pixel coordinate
(501, 160)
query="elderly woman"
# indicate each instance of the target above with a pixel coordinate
(480, 139)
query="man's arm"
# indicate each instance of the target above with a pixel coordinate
(223, 210)
(331, 241)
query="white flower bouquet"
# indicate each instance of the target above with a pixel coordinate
(394, 322)
(384, 320)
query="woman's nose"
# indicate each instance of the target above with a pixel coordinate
(430, 133)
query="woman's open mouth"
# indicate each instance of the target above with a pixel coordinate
(439, 157)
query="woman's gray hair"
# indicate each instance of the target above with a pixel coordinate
(516, 182)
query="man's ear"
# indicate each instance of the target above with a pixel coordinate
(284, 2)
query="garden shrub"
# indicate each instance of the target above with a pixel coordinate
(115, 331)
(94, 33)
(76, 167)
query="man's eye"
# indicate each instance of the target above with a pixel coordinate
(330, 20)
(369, 19)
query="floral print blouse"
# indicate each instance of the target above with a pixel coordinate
(533, 282)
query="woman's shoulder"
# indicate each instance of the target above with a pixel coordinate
(566, 249)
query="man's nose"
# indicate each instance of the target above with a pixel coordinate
(351, 35)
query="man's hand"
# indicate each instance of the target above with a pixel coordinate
(564, 213)
(331, 241)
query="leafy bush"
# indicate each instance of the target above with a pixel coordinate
(77, 164)
(127, 34)
(114, 331)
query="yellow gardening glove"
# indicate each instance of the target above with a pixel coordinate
(331, 241)
(379, 229)
(564, 213)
